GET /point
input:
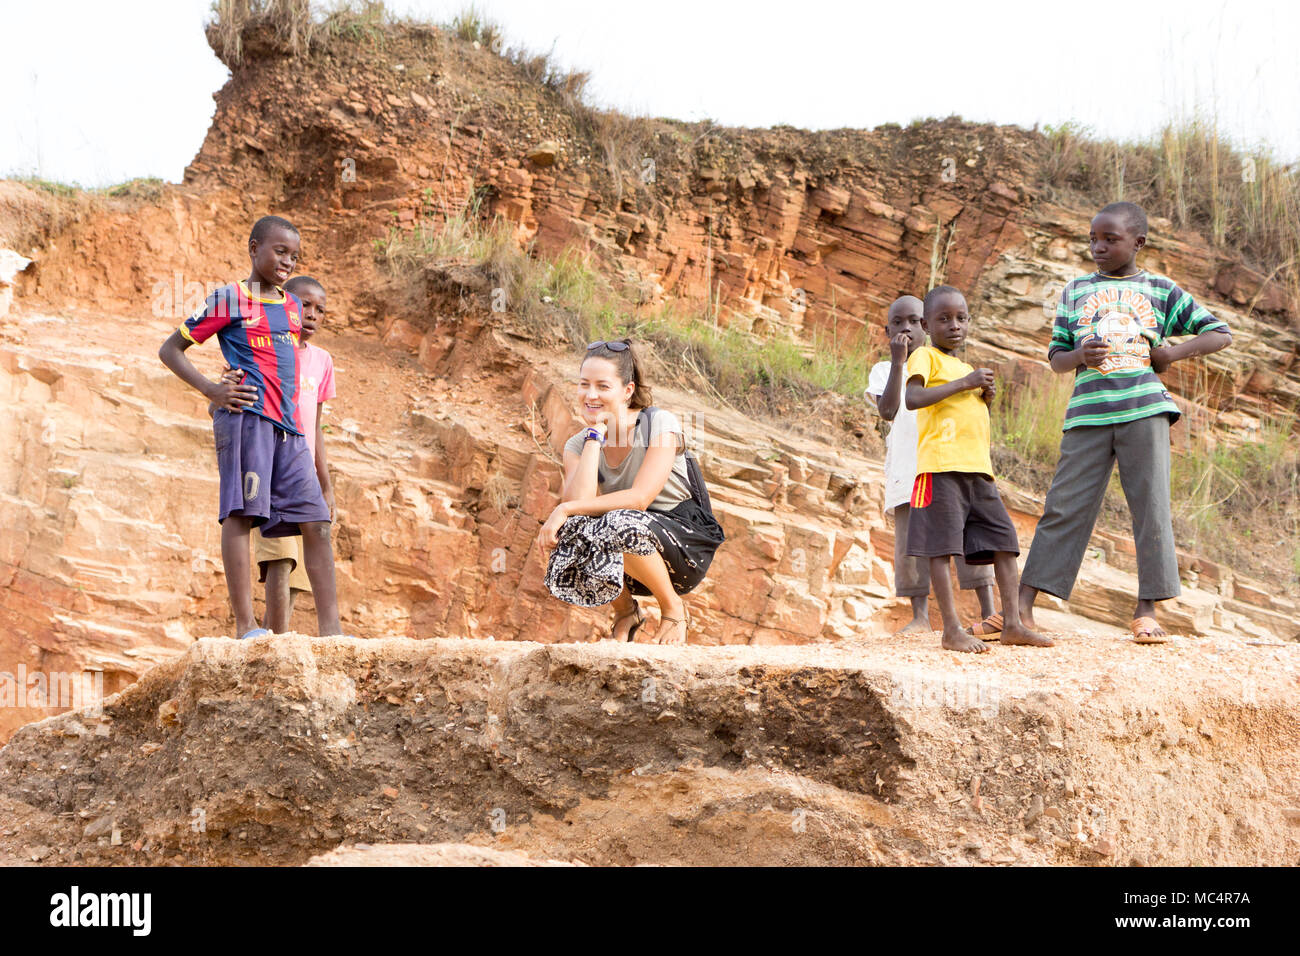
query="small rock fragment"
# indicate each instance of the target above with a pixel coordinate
(167, 712)
(545, 153)
(1035, 810)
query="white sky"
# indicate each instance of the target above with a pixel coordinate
(100, 91)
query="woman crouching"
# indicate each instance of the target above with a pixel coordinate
(629, 520)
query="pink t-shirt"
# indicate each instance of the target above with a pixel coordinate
(315, 385)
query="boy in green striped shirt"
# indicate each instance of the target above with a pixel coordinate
(1111, 330)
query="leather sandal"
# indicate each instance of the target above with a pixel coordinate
(685, 619)
(631, 631)
(987, 629)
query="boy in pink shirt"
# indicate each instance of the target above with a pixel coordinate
(280, 560)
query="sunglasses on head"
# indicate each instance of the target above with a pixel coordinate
(612, 346)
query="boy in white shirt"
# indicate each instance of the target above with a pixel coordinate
(885, 386)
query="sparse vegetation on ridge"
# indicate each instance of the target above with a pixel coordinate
(1245, 202)
(568, 301)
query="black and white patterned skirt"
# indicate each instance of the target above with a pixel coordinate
(586, 567)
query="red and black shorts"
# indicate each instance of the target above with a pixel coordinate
(957, 512)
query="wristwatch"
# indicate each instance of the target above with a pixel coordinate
(592, 435)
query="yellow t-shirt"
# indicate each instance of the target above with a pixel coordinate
(952, 435)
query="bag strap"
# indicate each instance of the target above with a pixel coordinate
(694, 475)
(643, 425)
(643, 428)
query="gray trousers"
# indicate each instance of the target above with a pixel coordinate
(1088, 455)
(912, 574)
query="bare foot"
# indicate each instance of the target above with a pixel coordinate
(1147, 631)
(959, 640)
(916, 625)
(1027, 617)
(1021, 634)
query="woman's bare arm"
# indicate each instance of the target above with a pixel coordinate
(650, 480)
(580, 472)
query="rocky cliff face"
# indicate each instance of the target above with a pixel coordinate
(446, 432)
(444, 445)
(789, 233)
(512, 743)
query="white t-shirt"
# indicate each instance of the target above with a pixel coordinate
(676, 489)
(900, 444)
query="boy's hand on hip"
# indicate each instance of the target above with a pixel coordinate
(1094, 352)
(898, 348)
(1162, 356)
(233, 375)
(232, 396)
(980, 378)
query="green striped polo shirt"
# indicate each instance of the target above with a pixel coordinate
(1131, 315)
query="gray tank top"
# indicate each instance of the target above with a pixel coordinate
(608, 479)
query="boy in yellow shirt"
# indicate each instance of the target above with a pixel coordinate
(956, 508)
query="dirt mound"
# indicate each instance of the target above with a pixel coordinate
(276, 751)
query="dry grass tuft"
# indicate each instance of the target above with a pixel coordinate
(288, 22)
(1244, 201)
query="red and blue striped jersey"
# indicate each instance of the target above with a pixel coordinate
(259, 336)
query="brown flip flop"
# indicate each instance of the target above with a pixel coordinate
(987, 629)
